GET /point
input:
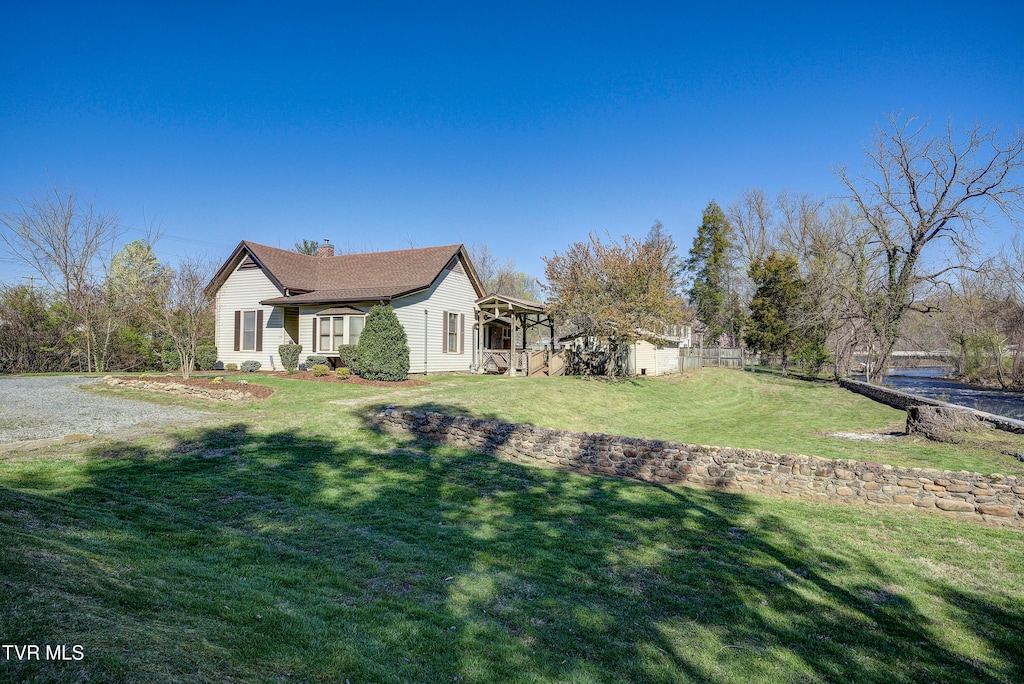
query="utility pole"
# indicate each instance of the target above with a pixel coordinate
(31, 282)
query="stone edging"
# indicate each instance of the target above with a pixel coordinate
(995, 497)
(178, 389)
(901, 400)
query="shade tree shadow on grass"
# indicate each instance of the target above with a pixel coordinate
(283, 556)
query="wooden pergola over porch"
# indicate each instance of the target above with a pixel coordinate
(503, 319)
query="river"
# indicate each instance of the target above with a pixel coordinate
(930, 382)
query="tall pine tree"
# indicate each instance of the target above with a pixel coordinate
(711, 295)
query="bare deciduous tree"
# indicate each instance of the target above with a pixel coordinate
(485, 263)
(64, 239)
(922, 190)
(184, 313)
(501, 278)
(751, 220)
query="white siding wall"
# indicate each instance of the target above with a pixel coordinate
(668, 360)
(452, 292)
(642, 356)
(242, 291)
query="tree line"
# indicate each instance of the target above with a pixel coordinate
(99, 304)
(818, 280)
(895, 261)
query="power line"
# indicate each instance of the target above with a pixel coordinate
(191, 241)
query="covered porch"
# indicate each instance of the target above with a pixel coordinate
(503, 323)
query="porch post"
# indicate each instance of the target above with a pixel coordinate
(480, 342)
(512, 344)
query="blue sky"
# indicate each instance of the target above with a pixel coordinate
(520, 125)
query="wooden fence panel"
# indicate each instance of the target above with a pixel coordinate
(692, 358)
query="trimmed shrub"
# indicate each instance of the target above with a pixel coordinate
(231, 366)
(343, 372)
(315, 359)
(290, 355)
(250, 366)
(383, 347)
(320, 370)
(206, 357)
(347, 357)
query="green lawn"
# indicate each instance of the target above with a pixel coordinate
(723, 408)
(291, 542)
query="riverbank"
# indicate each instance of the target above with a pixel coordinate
(904, 400)
(934, 383)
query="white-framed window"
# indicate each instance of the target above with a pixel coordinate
(453, 333)
(248, 331)
(335, 331)
(355, 328)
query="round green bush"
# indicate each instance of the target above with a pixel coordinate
(290, 355)
(383, 347)
(250, 366)
(206, 357)
(169, 357)
(314, 359)
(320, 370)
(347, 357)
(343, 372)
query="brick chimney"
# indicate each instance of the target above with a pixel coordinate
(326, 249)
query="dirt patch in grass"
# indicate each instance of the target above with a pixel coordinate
(351, 380)
(253, 390)
(865, 436)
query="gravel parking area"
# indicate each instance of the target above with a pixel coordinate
(39, 408)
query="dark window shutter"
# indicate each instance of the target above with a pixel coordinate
(238, 331)
(444, 332)
(462, 333)
(313, 348)
(259, 330)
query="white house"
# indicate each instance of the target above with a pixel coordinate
(265, 297)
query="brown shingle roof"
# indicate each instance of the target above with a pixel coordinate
(347, 277)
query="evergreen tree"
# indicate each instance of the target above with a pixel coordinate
(711, 295)
(383, 352)
(774, 311)
(307, 247)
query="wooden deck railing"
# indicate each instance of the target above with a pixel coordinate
(528, 361)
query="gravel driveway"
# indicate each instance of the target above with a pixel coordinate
(37, 408)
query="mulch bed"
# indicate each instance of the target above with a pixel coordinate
(351, 380)
(253, 390)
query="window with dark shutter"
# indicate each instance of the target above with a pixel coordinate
(249, 333)
(259, 330)
(238, 331)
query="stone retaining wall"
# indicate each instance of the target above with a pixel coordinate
(902, 400)
(178, 389)
(994, 497)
